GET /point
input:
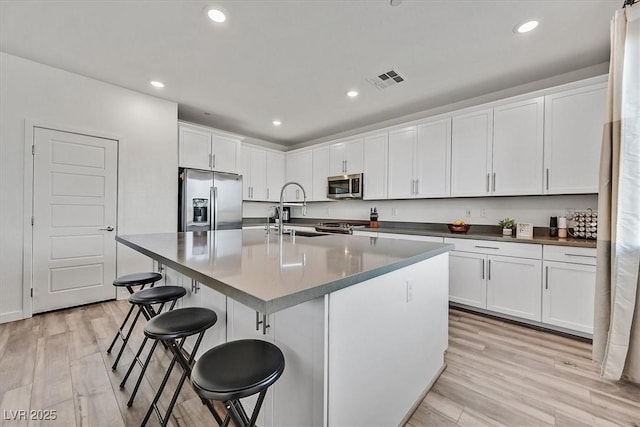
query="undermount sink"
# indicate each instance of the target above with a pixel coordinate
(309, 234)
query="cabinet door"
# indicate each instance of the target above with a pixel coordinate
(513, 286)
(245, 171)
(433, 159)
(401, 184)
(517, 148)
(467, 283)
(320, 174)
(225, 152)
(375, 166)
(353, 156)
(258, 174)
(568, 295)
(275, 175)
(337, 154)
(194, 148)
(573, 134)
(241, 324)
(300, 170)
(217, 334)
(471, 139)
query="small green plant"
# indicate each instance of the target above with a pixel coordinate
(507, 223)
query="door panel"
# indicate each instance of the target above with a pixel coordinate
(433, 153)
(401, 160)
(467, 284)
(471, 141)
(513, 286)
(75, 191)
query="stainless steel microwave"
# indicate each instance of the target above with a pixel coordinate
(345, 186)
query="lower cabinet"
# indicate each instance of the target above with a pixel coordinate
(467, 279)
(513, 286)
(569, 289)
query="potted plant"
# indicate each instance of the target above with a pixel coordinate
(508, 225)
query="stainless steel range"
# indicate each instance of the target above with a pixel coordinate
(335, 227)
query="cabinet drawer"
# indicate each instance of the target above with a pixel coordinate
(570, 254)
(522, 250)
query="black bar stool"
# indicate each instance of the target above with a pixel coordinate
(173, 328)
(145, 299)
(129, 281)
(235, 370)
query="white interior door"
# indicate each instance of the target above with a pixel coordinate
(74, 210)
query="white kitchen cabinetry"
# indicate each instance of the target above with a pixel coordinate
(204, 148)
(275, 175)
(517, 148)
(502, 277)
(471, 140)
(401, 179)
(376, 151)
(346, 157)
(574, 121)
(498, 151)
(300, 170)
(300, 334)
(254, 174)
(569, 287)
(320, 174)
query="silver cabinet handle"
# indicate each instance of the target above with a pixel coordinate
(489, 271)
(213, 161)
(210, 161)
(417, 186)
(487, 183)
(547, 172)
(267, 194)
(109, 228)
(494, 181)
(262, 322)
(483, 269)
(580, 255)
(485, 247)
(546, 277)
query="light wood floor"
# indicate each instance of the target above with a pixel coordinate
(498, 374)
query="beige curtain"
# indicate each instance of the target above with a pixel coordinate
(616, 339)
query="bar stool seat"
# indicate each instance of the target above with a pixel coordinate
(145, 299)
(129, 281)
(173, 328)
(235, 370)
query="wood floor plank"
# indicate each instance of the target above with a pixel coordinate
(64, 416)
(52, 376)
(12, 402)
(18, 359)
(94, 401)
(443, 405)
(82, 341)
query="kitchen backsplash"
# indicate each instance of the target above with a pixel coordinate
(483, 210)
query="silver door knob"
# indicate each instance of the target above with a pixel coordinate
(109, 228)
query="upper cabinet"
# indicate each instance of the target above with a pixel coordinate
(376, 151)
(204, 148)
(263, 174)
(498, 151)
(574, 122)
(300, 170)
(320, 174)
(472, 137)
(517, 148)
(346, 157)
(419, 159)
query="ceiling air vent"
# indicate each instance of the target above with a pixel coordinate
(386, 79)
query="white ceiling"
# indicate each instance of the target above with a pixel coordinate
(295, 60)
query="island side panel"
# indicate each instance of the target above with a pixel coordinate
(387, 338)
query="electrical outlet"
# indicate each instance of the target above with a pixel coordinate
(409, 290)
(483, 213)
(468, 213)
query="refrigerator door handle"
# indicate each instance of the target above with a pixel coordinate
(214, 202)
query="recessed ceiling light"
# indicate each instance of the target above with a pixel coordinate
(352, 93)
(216, 15)
(156, 83)
(526, 27)
(276, 122)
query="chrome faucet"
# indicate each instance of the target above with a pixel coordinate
(303, 204)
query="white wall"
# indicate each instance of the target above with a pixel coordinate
(484, 210)
(148, 157)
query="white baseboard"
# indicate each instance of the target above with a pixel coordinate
(11, 316)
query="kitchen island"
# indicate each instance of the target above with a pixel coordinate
(362, 322)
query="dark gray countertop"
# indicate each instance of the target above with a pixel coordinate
(269, 273)
(480, 232)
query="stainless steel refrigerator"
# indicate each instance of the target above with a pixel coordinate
(209, 200)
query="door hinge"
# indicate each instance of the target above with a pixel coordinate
(33, 150)
(33, 220)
